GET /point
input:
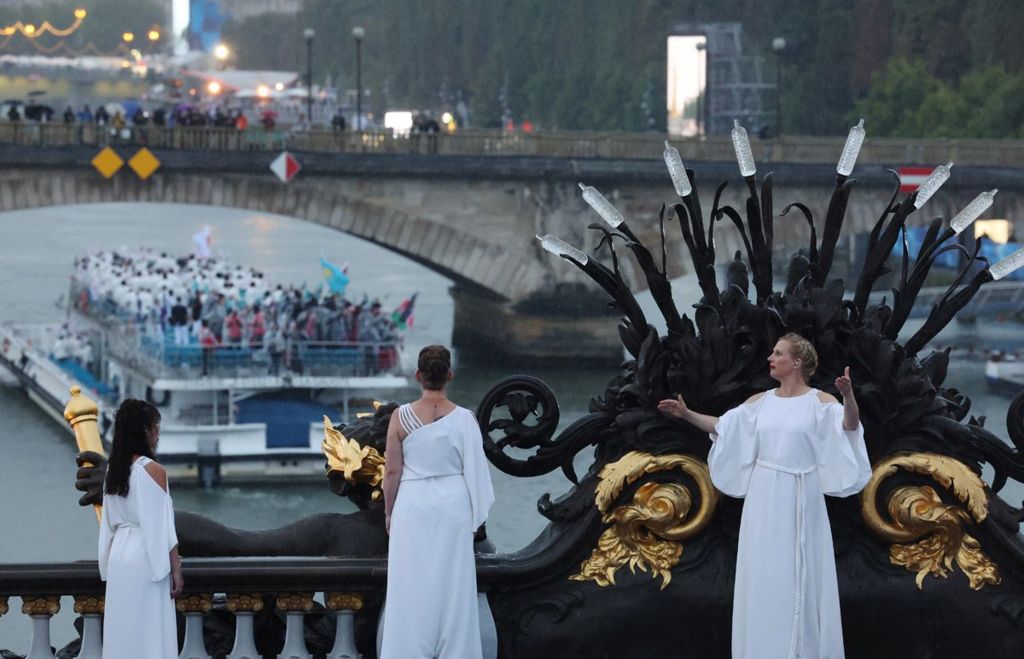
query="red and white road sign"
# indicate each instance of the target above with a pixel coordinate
(911, 178)
(285, 167)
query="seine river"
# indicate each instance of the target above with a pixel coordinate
(40, 519)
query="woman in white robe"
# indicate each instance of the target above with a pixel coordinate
(782, 451)
(138, 546)
(437, 493)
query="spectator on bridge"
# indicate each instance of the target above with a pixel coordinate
(241, 122)
(102, 116)
(338, 122)
(85, 116)
(69, 116)
(160, 117)
(13, 114)
(140, 117)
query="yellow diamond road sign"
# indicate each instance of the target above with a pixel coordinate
(144, 163)
(107, 162)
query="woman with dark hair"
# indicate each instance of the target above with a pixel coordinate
(138, 546)
(437, 492)
(783, 450)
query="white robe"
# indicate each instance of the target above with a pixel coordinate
(782, 455)
(431, 609)
(136, 537)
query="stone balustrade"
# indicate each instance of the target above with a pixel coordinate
(237, 588)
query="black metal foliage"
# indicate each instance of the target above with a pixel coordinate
(717, 359)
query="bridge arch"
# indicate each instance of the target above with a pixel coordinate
(470, 261)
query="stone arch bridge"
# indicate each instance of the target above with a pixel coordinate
(473, 219)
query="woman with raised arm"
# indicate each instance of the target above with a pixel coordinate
(138, 546)
(783, 450)
(437, 492)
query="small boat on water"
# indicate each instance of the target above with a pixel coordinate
(1004, 374)
(234, 410)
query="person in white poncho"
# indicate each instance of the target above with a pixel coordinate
(138, 546)
(782, 450)
(437, 493)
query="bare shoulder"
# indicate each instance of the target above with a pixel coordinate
(754, 398)
(824, 397)
(157, 472)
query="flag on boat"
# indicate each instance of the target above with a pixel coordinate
(336, 278)
(202, 243)
(403, 315)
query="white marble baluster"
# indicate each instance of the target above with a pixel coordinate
(295, 607)
(245, 608)
(41, 609)
(194, 606)
(91, 610)
(346, 605)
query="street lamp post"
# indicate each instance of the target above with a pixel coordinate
(308, 34)
(359, 33)
(778, 45)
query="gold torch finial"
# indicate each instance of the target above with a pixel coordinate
(82, 413)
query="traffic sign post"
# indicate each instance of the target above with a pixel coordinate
(285, 167)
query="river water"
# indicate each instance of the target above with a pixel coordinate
(39, 516)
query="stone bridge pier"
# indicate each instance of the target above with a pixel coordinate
(473, 220)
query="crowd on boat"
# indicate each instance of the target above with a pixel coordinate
(199, 302)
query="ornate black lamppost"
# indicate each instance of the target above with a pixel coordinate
(778, 45)
(359, 33)
(308, 34)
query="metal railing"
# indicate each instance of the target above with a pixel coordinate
(562, 144)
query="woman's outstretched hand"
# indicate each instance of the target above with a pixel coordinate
(844, 384)
(673, 407)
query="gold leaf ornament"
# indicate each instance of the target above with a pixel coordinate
(358, 464)
(928, 534)
(647, 533)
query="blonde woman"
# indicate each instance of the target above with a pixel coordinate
(783, 450)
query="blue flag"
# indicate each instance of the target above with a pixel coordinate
(335, 277)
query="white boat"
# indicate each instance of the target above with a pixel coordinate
(1005, 374)
(236, 422)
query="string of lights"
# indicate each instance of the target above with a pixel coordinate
(33, 31)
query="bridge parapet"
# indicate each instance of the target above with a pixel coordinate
(564, 144)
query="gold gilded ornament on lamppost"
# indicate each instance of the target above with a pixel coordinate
(82, 413)
(648, 532)
(928, 534)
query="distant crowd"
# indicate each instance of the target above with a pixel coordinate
(210, 303)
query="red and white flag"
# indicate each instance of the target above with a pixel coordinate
(911, 178)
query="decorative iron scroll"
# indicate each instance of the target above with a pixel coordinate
(648, 532)
(928, 534)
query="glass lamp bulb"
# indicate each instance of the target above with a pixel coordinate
(676, 169)
(741, 144)
(559, 247)
(973, 210)
(604, 208)
(932, 184)
(851, 150)
(1010, 264)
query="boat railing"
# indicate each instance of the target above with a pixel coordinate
(331, 591)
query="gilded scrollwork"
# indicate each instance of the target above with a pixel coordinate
(358, 464)
(647, 533)
(928, 535)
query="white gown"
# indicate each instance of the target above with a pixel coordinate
(136, 537)
(783, 454)
(431, 610)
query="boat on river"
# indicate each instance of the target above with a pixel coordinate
(233, 411)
